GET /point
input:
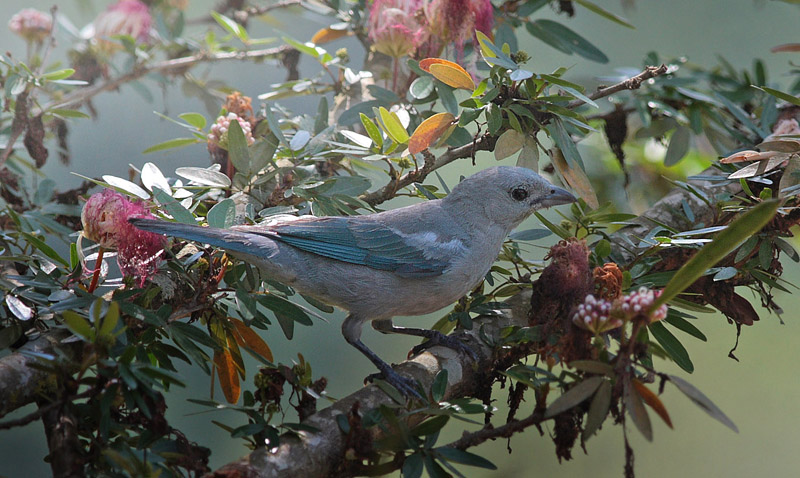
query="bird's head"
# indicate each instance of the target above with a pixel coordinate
(507, 195)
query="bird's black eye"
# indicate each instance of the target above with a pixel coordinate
(519, 194)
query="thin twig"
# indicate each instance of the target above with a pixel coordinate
(33, 416)
(469, 440)
(81, 95)
(243, 15)
(485, 143)
(632, 83)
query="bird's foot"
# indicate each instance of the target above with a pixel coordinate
(408, 387)
(448, 341)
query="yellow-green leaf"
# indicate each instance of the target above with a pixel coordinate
(429, 131)
(392, 125)
(726, 241)
(508, 143)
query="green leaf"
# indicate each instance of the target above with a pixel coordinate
(372, 130)
(726, 241)
(684, 325)
(58, 74)
(431, 426)
(237, 148)
(702, 401)
(562, 139)
(169, 144)
(605, 13)
(174, 207)
(67, 113)
(125, 186)
(222, 215)
(439, 386)
(779, 94)
(464, 457)
(574, 396)
(422, 87)
(109, 321)
(195, 119)
(678, 146)
(231, 26)
(392, 125)
(508, 143)
(78, 325)
(593, 366)
(672, 346)
(206, 177)
(530, 234)
(558, 230)
(562, 38)
(598, 410)
(449, 101)
(412, 466)
(635, 407)
(44, 248)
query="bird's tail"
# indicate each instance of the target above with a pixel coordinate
(232, 240)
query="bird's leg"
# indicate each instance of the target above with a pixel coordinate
(351, 329)
(434, 338)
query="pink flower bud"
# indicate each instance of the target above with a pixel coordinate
(31, 24)
(105, 221)
(594, 315)
(639, 303)
(218, 134)
(126, 17)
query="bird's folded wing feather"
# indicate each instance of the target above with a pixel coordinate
(367, 243)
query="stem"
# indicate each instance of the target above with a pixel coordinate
(98, 266)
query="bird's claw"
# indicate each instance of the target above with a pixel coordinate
(447, 341)
(406, 386)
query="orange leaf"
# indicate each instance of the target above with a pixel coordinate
(652, 400)
(328, 34)
(247, 337)
(449, 73)
(787, 47)
(429, 131)
(228, 378)
(748, 155)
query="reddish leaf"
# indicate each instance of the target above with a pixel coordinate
(652, 400)
(429, 131)
(328, 34)
(247, 337)
(228, 376)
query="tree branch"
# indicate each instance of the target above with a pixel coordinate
(22, 381)
(632, 83)
(83, 94)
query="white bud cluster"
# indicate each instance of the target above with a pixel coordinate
(219, 130)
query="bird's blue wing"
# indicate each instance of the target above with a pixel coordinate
(366, 243)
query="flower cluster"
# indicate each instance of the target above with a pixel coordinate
(398, 28)
(126, 17)
(639, 302)
(31, 24)
(599, 315)
(393, 27)
(218, 135)
(594, 315)
(105, 221)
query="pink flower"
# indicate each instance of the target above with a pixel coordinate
(639, 302)
(31, 24)
(455, 21)
(594, 315)
(126, 17)
(393, 27)
(105, 221)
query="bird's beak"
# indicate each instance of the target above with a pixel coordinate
(557, 196)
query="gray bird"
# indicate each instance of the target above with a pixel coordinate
(407, 261)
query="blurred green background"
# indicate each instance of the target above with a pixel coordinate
(760, 393)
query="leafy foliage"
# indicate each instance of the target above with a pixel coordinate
(203, 308)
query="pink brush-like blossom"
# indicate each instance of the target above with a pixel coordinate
(393, 27)
(455, 21)
(126, 17)
(31, 24)
(105, 221)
